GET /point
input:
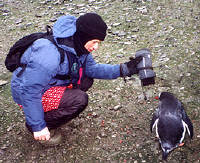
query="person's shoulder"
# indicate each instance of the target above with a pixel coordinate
(45, 53)
(42, 42)
(89, 56)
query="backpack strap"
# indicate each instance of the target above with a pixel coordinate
(23, 66)
(49, 30)
(62, 77)
(50, 37)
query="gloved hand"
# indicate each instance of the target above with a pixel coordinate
(44, 134)
(129, 68)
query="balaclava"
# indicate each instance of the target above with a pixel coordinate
(88, 27)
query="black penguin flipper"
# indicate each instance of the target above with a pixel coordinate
(154, 118)
(188, 122)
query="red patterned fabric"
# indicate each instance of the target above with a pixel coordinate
(51, 98)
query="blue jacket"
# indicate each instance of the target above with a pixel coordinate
(43, 63)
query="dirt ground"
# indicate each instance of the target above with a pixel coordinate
(114, 128)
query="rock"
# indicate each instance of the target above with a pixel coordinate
(121, 33)
(136, 29)
(43, 3)
(9, 128)
(38, 15)
(53, 20)
(114, 136)
(116, 24)
(80, 5)
(120, 55)
(1, 152)
(151, 23)
(94, 114)
(5, 14)
(134, 37)
(70, 8)
(17, 154)
(103, 134)
(3, 82)
(5, 11)
(142, 9)
(117, 107)
(19, 21)
(141, 97)
(28, 24)
(127, 43)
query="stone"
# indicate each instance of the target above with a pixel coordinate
(3, 82)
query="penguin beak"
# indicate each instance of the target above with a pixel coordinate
(180, 145)
(164, 155)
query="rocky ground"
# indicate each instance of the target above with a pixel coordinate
(115, 126)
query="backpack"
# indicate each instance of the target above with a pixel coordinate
(12, 61)
(76, 72)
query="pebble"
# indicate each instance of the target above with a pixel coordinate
(19, 21)
(122, 33)
(5, 14)
(117, 107)
(127, 43)
(116, 24)
(103, 135)
(94, 114)
(1, 152)
(9, 128)
(3, 82)
(53, 20)
(114, 136)
(120, 55)
(141, 97)
(142, 9)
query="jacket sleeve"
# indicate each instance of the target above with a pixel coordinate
(101, 71)
(41, 67)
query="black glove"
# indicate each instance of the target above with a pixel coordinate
(129, 68)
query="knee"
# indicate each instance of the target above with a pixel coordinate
(73, 99)
(83, 98)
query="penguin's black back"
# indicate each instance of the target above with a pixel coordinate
(169, 104)
(170, 129)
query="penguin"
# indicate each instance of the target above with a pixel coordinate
(171, 123)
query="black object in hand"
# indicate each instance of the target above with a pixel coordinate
(132, 65)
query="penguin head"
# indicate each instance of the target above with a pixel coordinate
(168, 101)
(167, 147)
(166, 95)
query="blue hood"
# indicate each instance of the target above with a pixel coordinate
(64, 27)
